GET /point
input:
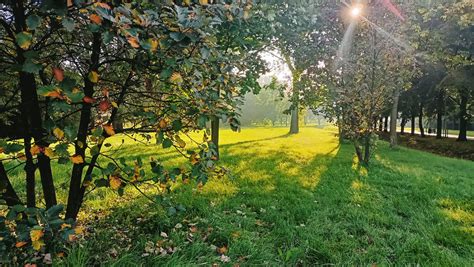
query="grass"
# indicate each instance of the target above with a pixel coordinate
(290, 200)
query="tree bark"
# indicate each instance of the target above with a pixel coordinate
(402, 125)
(294, 125)
(439, 115)
(215, 134)
(381, 124)
(393, 119)
(463, 117)
(412, 120)
(73, 203)
(30, 175)
(29, 98)
(420, 121)
(6, 189)
(385, 124)
(367, 149)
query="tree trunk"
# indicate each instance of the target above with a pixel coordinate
(215, 134)
(385, 124)
(393, 119)
(358, 151)
(412, 120)
(439, 115)
(381, 124)
(6, 189)
(294, 127)
(420, 121)
(30, 175)
(73, 203)
(367, 149)
(402, 125)
(463, 117)
(29, 99)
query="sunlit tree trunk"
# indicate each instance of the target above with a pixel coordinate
(420, 121)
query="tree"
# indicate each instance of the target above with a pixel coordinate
(83, 69)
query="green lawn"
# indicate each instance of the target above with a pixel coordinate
(292, 200)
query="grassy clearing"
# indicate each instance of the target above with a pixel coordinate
(291, 200)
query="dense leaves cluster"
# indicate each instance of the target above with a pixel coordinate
(81, 72)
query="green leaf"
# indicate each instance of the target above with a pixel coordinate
(54, 211)
(68, 24)
(31, 67)
(23, 39)
(33, 21)
(167, 143)
(177, 125)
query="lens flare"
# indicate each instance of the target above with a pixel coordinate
(355, 11)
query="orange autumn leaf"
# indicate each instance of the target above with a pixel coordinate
(88, 99)
(35, 150)
(114, 182)
(20, 244)
(54, 94)
(109, 129)
(163, 123)
(58, 74)
(133, 42)
(95, 18)
(77, 159)
(222, 250)
(176, 78)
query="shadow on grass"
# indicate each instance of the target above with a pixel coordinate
(284, 208)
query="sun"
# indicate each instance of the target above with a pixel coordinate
(355, 11)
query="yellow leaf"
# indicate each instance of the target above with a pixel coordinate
(65, 225)
(77, 159)
(203, 2)
(187, 2)
(180, 141)
(114, 104)
(35, 150)
(194, 159)
(114, 182)
(20, 244)
(36, 234)
(58, 133)
(94, 77)
(78, 230)
(109, 129)
(48, 152)
(176, 78)
(37, 244)
(153, 44)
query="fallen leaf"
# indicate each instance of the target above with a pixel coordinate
(176, 78)
(222, 250)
